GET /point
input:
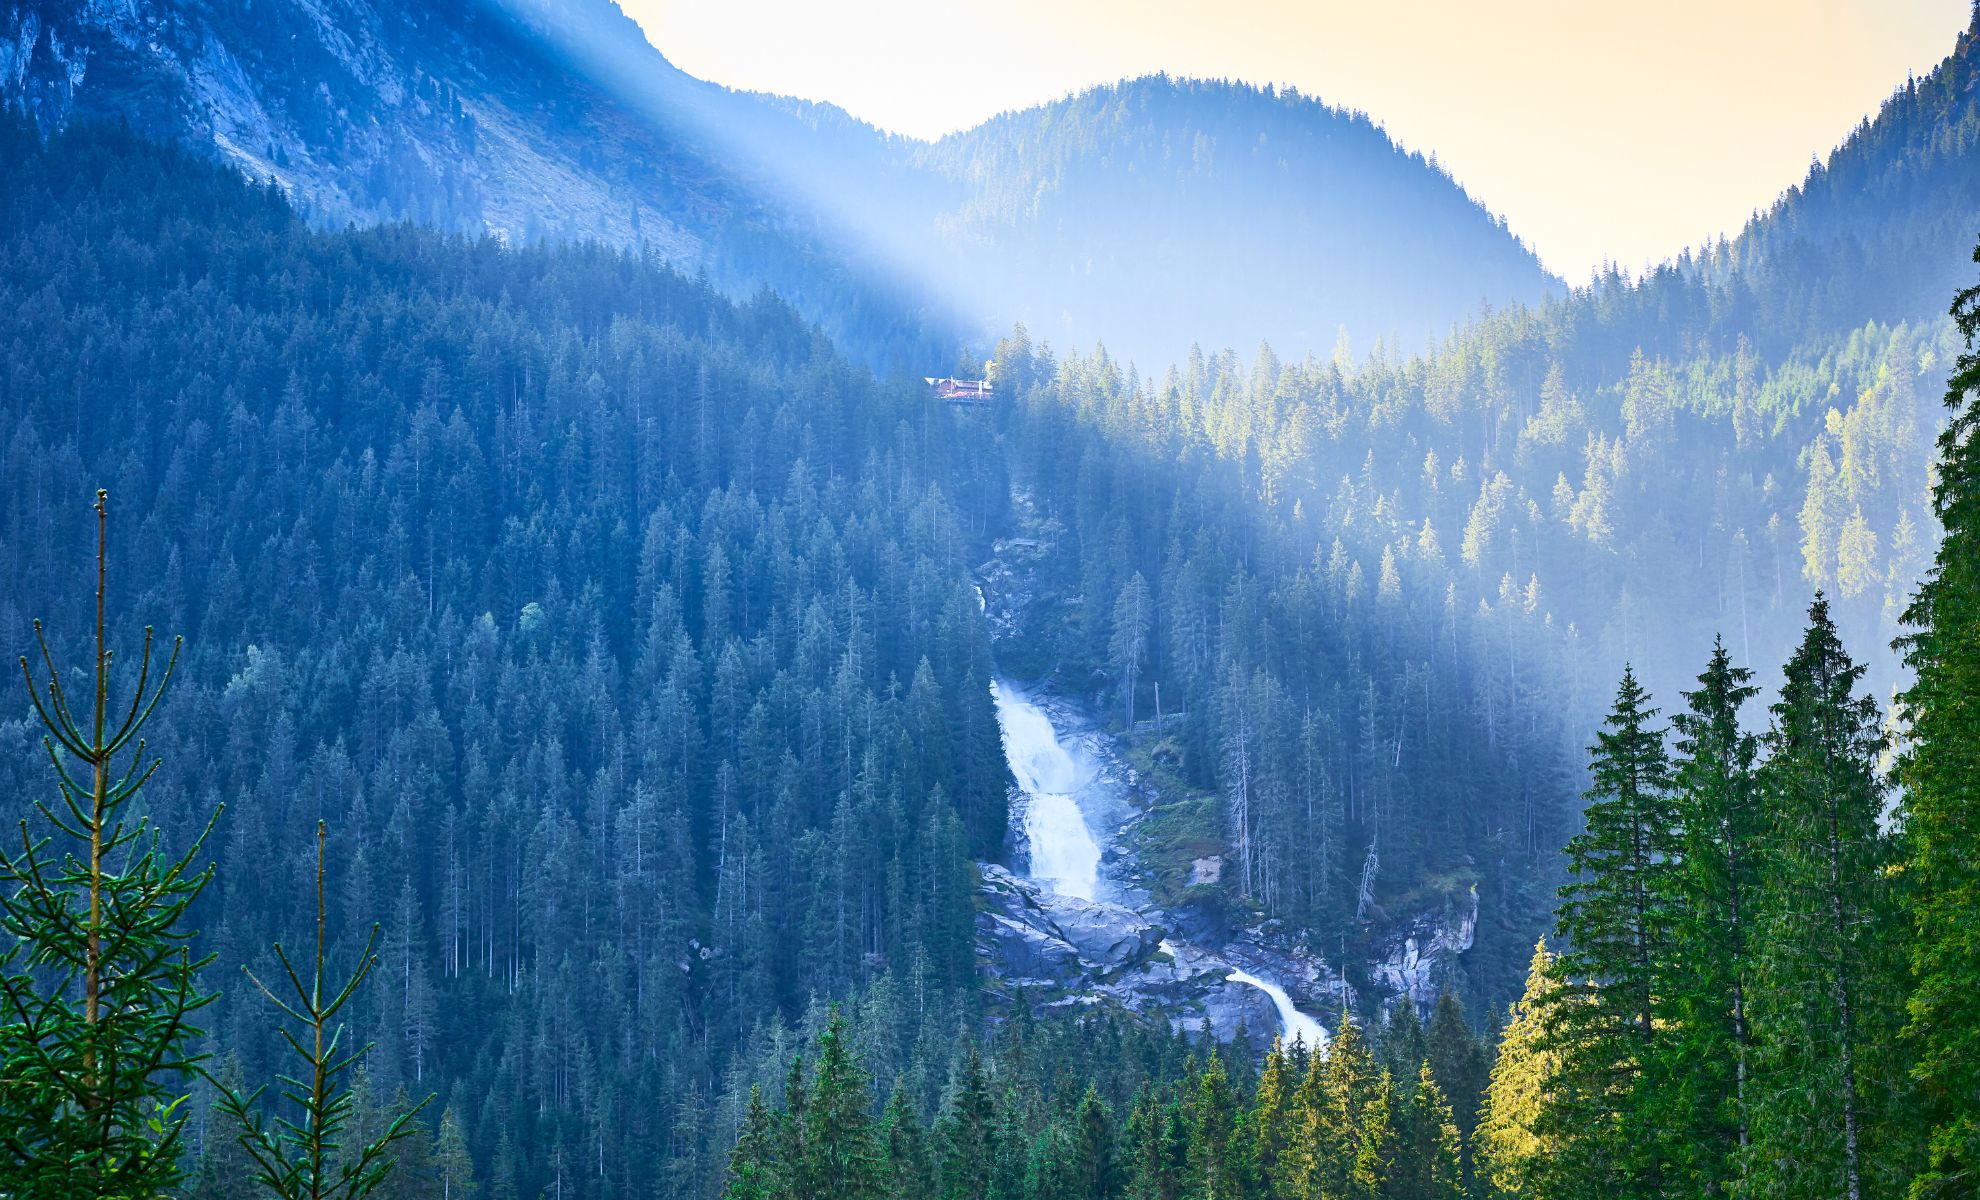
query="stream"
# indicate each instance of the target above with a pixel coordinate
(1071, 783)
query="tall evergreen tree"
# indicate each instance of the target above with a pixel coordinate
(1095, 1171)
(1458, 1060)
(329, 1150)
(1616, 919)
(1216, 1157)
(752, 1169)
(1708, 1059)
(1430, 1163)
(1828, 978)
(1940, 770)
(1518, 1141)
(969, 1136)
(842, 1152)
(98, 985)
(904, 1146)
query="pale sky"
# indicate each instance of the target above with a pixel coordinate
(1601, 131)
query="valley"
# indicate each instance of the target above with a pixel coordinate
(1308, 706)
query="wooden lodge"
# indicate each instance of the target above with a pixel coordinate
(960, 391)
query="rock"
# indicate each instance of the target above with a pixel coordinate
(1107, 935)
(1422, 957)
(1036, 934)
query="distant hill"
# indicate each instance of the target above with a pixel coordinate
(1145, 214)
(1159, 211)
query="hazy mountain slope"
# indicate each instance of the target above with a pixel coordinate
(1157, 211)
(617, 630)
(472, 115)
(1145, 213)
(1441, 563)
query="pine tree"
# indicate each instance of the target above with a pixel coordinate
(1518, 1141)
(842, 1159)
(1269, 1116)
(1430, 1159)
(1828, 978)
(752, 1168)
(1404, 1045)
(309, 1158)
(451, 1157)
(1216, 1160)
(1134, 617)
(968, 1134)
(1616, 917)
(97, 983)
(904, 1146)
(1458, 1060)
(1940, 770)
(1095, 1173)
(1708, 1058)
(1153, 1134)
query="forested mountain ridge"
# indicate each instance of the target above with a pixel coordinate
(1423, 572)
(555, 119)
(620, 633)
(477, 116)
(1157, 211)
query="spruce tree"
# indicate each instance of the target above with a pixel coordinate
(1216, 1159)
(1616, 919)
(1709, 1057)
(1940, 771)
(904, 1146)
(325, 1151)
(1095, 1173)
(1827, 981)
(969, 1137)
(842, 1152)
(1430, 1162)
(1268, 1117)
(752, 1168)
(452, 1159)
(98, 985)
(1518, 1142)
(1458, 1060)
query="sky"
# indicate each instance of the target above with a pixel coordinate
(1602, 131)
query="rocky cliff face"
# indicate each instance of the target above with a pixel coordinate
(1051, 950)
(1422, 956)
(522, 119)
(450, 114)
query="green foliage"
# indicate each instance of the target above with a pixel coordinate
(1617, 920)
(1519, 1141)
(1828, 982)
(98, 980)
(588, 607)
(1940, 772)
(1707, 1059)
(306, 1156)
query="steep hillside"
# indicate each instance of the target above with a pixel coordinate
(1159, 211)
(511, 118)
(618, 631)
(1144, 214)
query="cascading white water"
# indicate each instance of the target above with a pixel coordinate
(1064, 855)
(1298, 1026)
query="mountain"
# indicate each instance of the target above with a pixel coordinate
(1157, 212)
(617, 631)
(1144, 214)
(468, 115)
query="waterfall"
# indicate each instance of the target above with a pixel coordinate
(1064, 855)
(1298, 1026)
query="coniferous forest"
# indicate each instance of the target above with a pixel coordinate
(521, 715)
